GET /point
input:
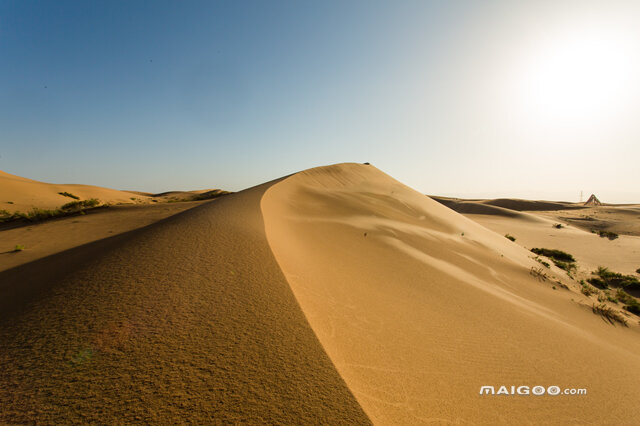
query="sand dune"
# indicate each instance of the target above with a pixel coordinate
(46, 238)
(336, 295)
(419, 307)
(22, 194)
(189, 318)
(529, 205)
(469, 207)
(621, 255)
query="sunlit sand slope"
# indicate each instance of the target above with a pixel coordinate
(22, 194)
(189, 319)
(418, 307)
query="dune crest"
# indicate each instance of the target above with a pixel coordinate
(418, 307)
(187, 319)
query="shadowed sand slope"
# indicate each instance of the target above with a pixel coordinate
(187, 319)
(22, 194)
(418, 307)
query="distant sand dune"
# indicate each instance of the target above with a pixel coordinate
(21, 194)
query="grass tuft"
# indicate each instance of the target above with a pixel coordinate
(19, 247)
(587, 289)
(538, 273)
(609, 314)
(509, 237)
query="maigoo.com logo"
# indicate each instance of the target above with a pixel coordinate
(526, 390)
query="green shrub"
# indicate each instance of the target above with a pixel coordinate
(77, 205)
(510, 237)
(19, 247)
(597, 282)
(587, 290)
(70, 195)
(542, 261)
(606, 234)
(36, 214)
(567, 266)
(554, 254)
(631, 304)
(616, 279)
(558, 225)
(634, 308)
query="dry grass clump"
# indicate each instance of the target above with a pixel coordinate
(609, 314)
(538, 273)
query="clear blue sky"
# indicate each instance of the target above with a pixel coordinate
(536, 100)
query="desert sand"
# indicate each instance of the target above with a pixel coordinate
(22, 194)
(335, 295)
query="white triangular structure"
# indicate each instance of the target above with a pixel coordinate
(593, 201)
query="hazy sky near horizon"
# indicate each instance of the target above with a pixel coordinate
(536, 99)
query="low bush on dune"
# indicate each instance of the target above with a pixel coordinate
(19, 247)
(558, 225)
(554, 254)
(638, 271)
(615, 279)
(607, 234)
(560, 258)
(630, 302)
(70, 195)
(78, 205)
(509, 237)
(597, 282)
(36, 214)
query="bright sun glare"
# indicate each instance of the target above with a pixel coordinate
(577, 78)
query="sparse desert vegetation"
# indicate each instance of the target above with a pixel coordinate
(538, 273)
(77, 205)
(631, 303)
(558, 225)
(510, 237)
(70, 195)
(609, 314)
(560, 258)
(606, 278)
(587, 289)
(36, 214)
(608, 234)
(18, 247)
